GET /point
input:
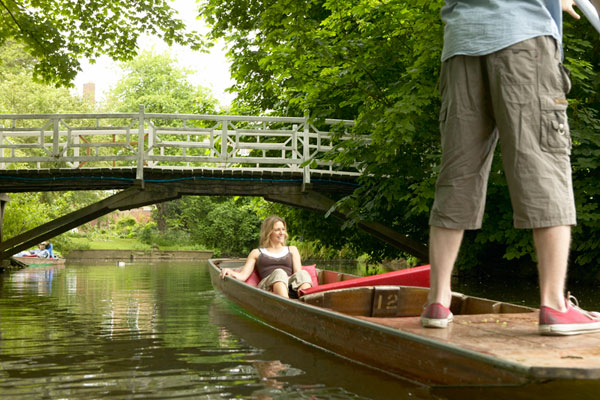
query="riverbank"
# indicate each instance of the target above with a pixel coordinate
(138, 255)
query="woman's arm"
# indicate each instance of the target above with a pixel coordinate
(296, 261)
(246, 270)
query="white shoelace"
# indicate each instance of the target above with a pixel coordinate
(575, 304)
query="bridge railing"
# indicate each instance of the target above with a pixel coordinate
(173, 141)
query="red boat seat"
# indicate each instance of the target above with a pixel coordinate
(254, 279)
(417, 276)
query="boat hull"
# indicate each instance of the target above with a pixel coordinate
(38, 262)
(405, 350)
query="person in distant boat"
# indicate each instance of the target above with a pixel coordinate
(278, 266)
(44, 250)
(502, 79)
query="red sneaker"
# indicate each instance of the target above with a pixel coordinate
(436, 316)
(574, 321)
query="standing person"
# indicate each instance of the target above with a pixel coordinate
(502, 79)
(278, 266)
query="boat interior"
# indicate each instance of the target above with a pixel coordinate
(396, 301)
(392, 301)
(401, 301)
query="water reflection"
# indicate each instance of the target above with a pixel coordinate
(36, 280)
(160, 331)
(155, 331)
(288, 366)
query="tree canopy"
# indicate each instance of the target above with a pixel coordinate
(58, 33)
(19, 94)
(377, 62)
(157, 82)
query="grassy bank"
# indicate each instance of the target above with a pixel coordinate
(82, 243)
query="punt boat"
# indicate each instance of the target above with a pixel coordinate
(375, 321)
(28, 261)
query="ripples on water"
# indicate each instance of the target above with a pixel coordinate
(155, 332)
(159, 331)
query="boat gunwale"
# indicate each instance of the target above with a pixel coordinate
(26, 262)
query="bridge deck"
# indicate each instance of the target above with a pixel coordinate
(26, 180)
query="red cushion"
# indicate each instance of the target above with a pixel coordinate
(312, 271)
(254, 279)
(417, 276)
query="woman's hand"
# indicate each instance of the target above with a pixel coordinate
(243, 273)
(228, 272)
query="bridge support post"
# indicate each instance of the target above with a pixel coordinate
(306, 151)
(139, 175)
(4, 198)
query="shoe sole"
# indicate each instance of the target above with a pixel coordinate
(569, 329)
(436, 322)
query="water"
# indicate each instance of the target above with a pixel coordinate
(160, 331)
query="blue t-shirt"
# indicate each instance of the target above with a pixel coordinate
(480, 27)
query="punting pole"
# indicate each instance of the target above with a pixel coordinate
(590, 12)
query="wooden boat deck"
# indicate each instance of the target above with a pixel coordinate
(511, 337)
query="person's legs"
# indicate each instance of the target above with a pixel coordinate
(552, 248)
(468, 138)
(300, 281)
(558, 316)
(281, 289)
(444, 245)
(277, 282)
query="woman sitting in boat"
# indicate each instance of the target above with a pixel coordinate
(44, 250)
(278, 266)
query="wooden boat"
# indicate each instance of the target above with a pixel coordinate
(489, 343)
(37, 261)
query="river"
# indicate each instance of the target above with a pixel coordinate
(160, 331)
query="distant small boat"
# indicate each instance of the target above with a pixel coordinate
(38, 261)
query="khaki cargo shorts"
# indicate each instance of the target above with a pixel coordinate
(517, 96)
(279, 275)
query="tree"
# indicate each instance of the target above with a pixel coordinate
(57, 33)
(225, 224)
(24, 204)
(156, 81)
(19, 94)
(377, 62)
(372, 61)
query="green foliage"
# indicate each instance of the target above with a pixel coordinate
(324, 238)
(126, 225)
(148, 233)
(225, 224)
(58, 33)
(25, 211)
(377, 62)
(19, 94)
(582, 54)
(155, 81)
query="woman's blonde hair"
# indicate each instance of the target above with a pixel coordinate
(267, 228)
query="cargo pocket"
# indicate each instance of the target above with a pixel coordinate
(555, 136)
